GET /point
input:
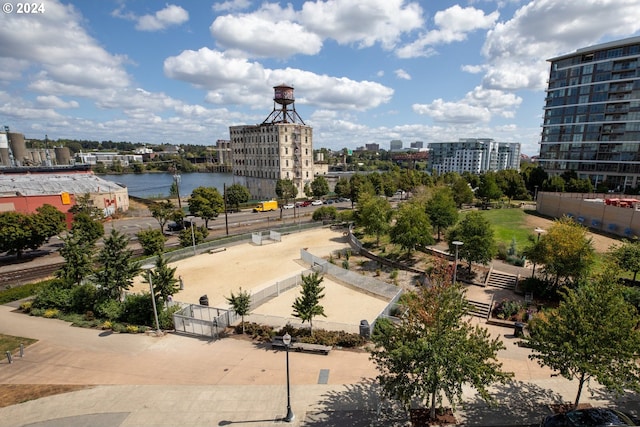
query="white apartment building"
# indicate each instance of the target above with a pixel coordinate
(474, 155)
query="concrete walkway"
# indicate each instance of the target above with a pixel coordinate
(175, 380)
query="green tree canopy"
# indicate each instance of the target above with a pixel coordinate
(162, 212)
(152, 241)
(435, 350)
(476, 234)
(627, 256)
(307, 305)
(240, 303)
(286, 189)
(165, 284)
(565, 252)
(117, 270)
(319, 186)
(19, 232)
(512, 184)
(86, 227)
(206, 202)
(441, 208)
(488, 189)
(49, 220)
(237, 194)
(78, 255)
(412, 227)
(343, 187)
(593, 334)
(374, 214)
(462, 192)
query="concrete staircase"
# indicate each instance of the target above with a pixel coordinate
(501, 280)
(480, 309)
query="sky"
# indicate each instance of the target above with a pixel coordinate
(364, 71)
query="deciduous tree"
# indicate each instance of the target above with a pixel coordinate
(162, 212)
(374, 214)
(441, 208)
(206, 202)
(627, 256)
(593, 334)
(319, 186)
(307, 305)
(152, 241)
(117, 270)
(412, 227)
(237, 194)
(476, 232)
(240, 303)
(164, 281)
(286, 189)
(435, 350)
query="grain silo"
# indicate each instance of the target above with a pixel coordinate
(63, 156)
(18, 148)
(5, 160)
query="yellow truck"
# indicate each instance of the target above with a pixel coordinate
(270, 205)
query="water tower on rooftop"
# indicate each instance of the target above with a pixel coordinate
(284, 107)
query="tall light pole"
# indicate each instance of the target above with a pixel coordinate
(286, 339)
(147, 268)
(457, 244)
(539, 231)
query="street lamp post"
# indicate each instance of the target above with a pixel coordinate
(286, 339)
(457, 244)
(539, 231)
(193, 236)
(148, 268)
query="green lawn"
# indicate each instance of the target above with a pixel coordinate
(12, 344)
(509, 224)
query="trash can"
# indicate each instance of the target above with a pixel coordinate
(518, 329)
(365, 329)
(204, 300)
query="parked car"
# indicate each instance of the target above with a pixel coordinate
(589, 417)
(178, 226)
(289, 206)
(303, 204)
(316, 203)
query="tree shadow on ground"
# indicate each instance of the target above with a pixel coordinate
(357, 405)
(520, 403)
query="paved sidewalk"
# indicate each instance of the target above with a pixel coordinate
(177, 380)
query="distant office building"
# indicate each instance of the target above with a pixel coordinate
(395, 145)
(281, 147)
(473, 155)
(592, 114)
(372, 147)
(417, 145)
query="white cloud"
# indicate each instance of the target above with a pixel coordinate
(364, 22)
(43, 43)
(259, 36)
(402, 74)
(453, 112)
(453, 25)
(238, 81)
(55, 102)
(171, 15)
(516, 50)
(231, 5)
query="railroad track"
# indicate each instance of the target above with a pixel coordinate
(27, 275)
(9, 279)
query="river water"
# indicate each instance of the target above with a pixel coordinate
(151, 185)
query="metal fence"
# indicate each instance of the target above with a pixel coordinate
(201, 320)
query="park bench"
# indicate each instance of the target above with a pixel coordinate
(277, 342)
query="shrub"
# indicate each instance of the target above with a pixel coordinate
(118, 327)
(132, 329)
(56, 294)
(107, 325)
(83, 298)
(109, 309)
(165, 318)
(26, 306)
(507, 309)
(21, 292)
(51, 313)
(345, 264)
(137, 310)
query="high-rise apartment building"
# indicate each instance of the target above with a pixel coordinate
(475, 155)
(281, 147)
(395, 145)
(592, 114)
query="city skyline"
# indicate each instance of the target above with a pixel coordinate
(364, 72)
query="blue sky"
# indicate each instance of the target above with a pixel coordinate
(364, 71)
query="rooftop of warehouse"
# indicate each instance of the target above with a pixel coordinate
(54, 183)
